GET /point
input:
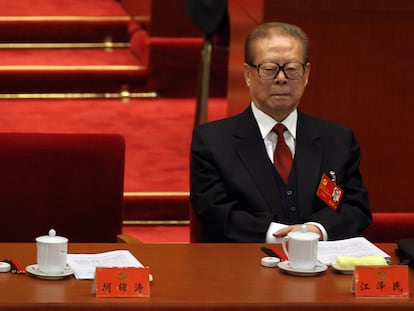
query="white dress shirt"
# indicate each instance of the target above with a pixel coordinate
(266, 124)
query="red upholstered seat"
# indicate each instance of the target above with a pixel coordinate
(389, 227)
(70, 182)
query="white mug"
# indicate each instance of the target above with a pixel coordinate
(51, 253)
(301, 248)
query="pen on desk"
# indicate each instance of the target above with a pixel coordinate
(280, 254)
(270, 252)
(18, 267)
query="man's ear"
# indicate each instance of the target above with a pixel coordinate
(307, 73)
(247, 73)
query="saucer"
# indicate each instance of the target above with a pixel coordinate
(34, 270)
(285, 266)
(342, 270)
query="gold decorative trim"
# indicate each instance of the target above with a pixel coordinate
(157, 222)
(158, 194)
(46, 18)
(124, 95)
(80, 45)
(19, 18)
(70, 67)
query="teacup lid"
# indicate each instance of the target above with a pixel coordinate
(303, 234)
(51, 238)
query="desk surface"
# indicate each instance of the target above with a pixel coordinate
(186, 276)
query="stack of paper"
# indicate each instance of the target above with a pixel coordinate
(357, 247)
(84, 265)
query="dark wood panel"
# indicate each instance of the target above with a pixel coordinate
(168, 19)
(244, 15)
(163, 18)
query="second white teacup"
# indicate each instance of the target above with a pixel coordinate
(301, 248)
(51, 253)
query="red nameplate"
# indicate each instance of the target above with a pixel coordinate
(329, 192)
(122, 282)
(381, 281)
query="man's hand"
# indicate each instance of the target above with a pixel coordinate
(310, 228)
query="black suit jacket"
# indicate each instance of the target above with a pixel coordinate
(233, 187)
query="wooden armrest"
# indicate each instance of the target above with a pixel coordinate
(125, 238)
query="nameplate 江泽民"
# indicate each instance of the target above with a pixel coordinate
(381, 281)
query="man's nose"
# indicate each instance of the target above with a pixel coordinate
(280, 77)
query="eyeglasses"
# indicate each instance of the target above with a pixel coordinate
(269, 70)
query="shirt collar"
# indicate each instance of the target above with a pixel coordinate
(266, 122)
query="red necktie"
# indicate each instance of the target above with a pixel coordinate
(283, 157)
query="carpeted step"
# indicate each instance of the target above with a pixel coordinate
(159, 207)
(31, 62)
(174, 233)
(68, 46)
(70, 70)
(63, 21)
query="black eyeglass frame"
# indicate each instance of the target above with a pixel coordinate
(280, 68)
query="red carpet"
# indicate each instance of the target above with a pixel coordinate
(157, 132)
(62, 8)
(63, 21)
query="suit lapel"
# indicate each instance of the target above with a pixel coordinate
(253, 156)
(308, 159)
(252, 153)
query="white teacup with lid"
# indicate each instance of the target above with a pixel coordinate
(51, 253)
(301, 248)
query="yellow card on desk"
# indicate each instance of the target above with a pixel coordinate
(122, 282)
(381, 281)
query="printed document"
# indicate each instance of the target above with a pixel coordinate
(357, 247)
(83, 265)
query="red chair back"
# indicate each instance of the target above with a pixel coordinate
(72, 183)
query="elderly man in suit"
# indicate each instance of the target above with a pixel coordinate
(258, 175)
